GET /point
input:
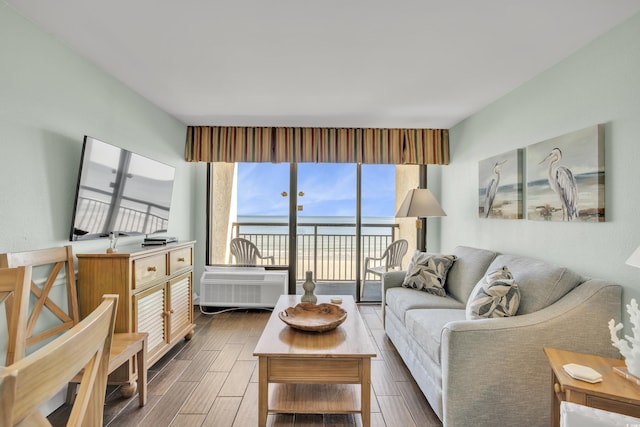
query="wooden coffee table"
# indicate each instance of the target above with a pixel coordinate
(314, 372)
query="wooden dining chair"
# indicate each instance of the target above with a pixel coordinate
(31, 381)
(14, 292)
(56, 266)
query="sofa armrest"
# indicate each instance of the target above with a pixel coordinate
(496, 368)
(390, 279)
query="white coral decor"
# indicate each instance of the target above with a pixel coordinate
(629, 347)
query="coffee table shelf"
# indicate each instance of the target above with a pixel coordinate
(314, 398)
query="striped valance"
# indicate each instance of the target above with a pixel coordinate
(317, 145)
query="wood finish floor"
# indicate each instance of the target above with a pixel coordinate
(212, 380)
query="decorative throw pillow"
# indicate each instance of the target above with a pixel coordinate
(428, 272)
(496, 295)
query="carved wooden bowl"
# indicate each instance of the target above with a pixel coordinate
(313, 317)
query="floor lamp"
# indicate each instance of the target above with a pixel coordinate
(421, 204)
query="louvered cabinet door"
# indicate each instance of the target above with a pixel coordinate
(180, 319)
(151, 317)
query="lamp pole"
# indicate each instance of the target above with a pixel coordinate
(421, 223)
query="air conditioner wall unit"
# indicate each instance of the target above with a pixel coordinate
(242, 286)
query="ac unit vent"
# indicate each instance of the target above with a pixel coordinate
(241, 287)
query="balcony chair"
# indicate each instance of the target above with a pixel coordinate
(246, 252)
(30, 382)
(392, 257)
(57, 264)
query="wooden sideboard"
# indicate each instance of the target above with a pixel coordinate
(155, 288)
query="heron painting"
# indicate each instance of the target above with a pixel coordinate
(565, 177)
(500, 186)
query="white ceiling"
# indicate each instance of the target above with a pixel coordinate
(342, 63)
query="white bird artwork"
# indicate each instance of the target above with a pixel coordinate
(564, 184)
(492, 188)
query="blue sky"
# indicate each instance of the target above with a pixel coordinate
(329, 189)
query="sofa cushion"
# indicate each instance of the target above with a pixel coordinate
(541, 283)
(399, 300)
(496, 295)
(470, 266)
(428, 272)
(425, 326)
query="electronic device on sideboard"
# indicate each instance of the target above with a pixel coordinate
(120, 193)
(158, 240)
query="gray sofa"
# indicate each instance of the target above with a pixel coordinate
(489, 372)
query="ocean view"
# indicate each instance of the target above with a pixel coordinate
(324, 245)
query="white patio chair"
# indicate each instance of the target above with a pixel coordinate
(392, 257)
(246, 252)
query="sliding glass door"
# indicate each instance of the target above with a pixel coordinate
(326, 218)
(326, 226)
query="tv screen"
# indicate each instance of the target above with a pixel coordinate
(120, 192)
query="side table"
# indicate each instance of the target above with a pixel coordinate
(614, 393)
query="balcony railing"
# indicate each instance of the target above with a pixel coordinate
(327, 249)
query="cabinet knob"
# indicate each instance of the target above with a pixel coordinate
(152, 268)
(559, 391)
(171, 311)
(181, 259)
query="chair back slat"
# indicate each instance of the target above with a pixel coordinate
(14, 286)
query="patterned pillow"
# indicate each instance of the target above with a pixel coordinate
(496, 295)
(428, 272)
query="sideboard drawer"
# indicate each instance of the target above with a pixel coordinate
(148, 269)
(613, 405)
(179, 259)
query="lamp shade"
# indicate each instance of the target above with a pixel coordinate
(634, 259)
(420, 203)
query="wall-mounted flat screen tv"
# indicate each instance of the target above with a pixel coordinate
(120, 192)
